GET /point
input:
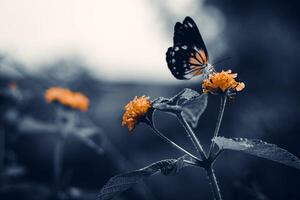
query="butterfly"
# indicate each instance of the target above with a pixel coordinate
(188, 57)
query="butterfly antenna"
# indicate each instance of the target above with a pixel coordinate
(222, 60)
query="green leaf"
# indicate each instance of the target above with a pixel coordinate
(260, 149)
(123, 182)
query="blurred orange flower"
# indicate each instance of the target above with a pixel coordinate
(223, 81)
(134, 110)
(12, 86)
(68, 98)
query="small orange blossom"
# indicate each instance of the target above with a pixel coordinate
(223, 81)
(12, 86)
(68, 98)
(135, 110)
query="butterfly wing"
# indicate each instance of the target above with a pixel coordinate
(189, 55)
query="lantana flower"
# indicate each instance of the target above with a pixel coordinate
(134, 111)
(222, 82)
(66, 97)
(12, 86)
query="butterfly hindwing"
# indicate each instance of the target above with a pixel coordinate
(189, 55)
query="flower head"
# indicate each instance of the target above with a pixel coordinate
(135, 110)
(68, 98)
(222, 82)
(12, 86)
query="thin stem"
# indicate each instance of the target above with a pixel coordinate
(220, 116)
(2, 154)
(215, 156)
(192, 136)
(166, 139)
(214, 183)
(62, 125)
(58, 161)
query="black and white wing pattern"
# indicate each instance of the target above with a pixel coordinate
(188, 56)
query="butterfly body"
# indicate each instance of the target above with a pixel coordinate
(188, 56)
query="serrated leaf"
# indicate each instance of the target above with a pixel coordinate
(260, 149)
(189, 103)
(160, 100)
(29, 125)
(173, 168)
(33, 126)
(181, 98)
(123, 182)
(193, 109)
(184, 96)
(164, 104)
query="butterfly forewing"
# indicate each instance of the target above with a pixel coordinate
(188, 57)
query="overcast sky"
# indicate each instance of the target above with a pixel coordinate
(117, 39)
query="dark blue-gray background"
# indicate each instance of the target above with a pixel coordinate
(263, 37)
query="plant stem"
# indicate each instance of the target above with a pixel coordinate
(214, 183)
(2, 154)
(59, 149)
(192, 136)
(58, 158)
(166, 139)
(220, 116)
(213, 157)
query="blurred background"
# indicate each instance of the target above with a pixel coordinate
(114, 50)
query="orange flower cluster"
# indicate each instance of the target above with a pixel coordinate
(134, 110)
(223, 81)
(12, 86)
(68, 98)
